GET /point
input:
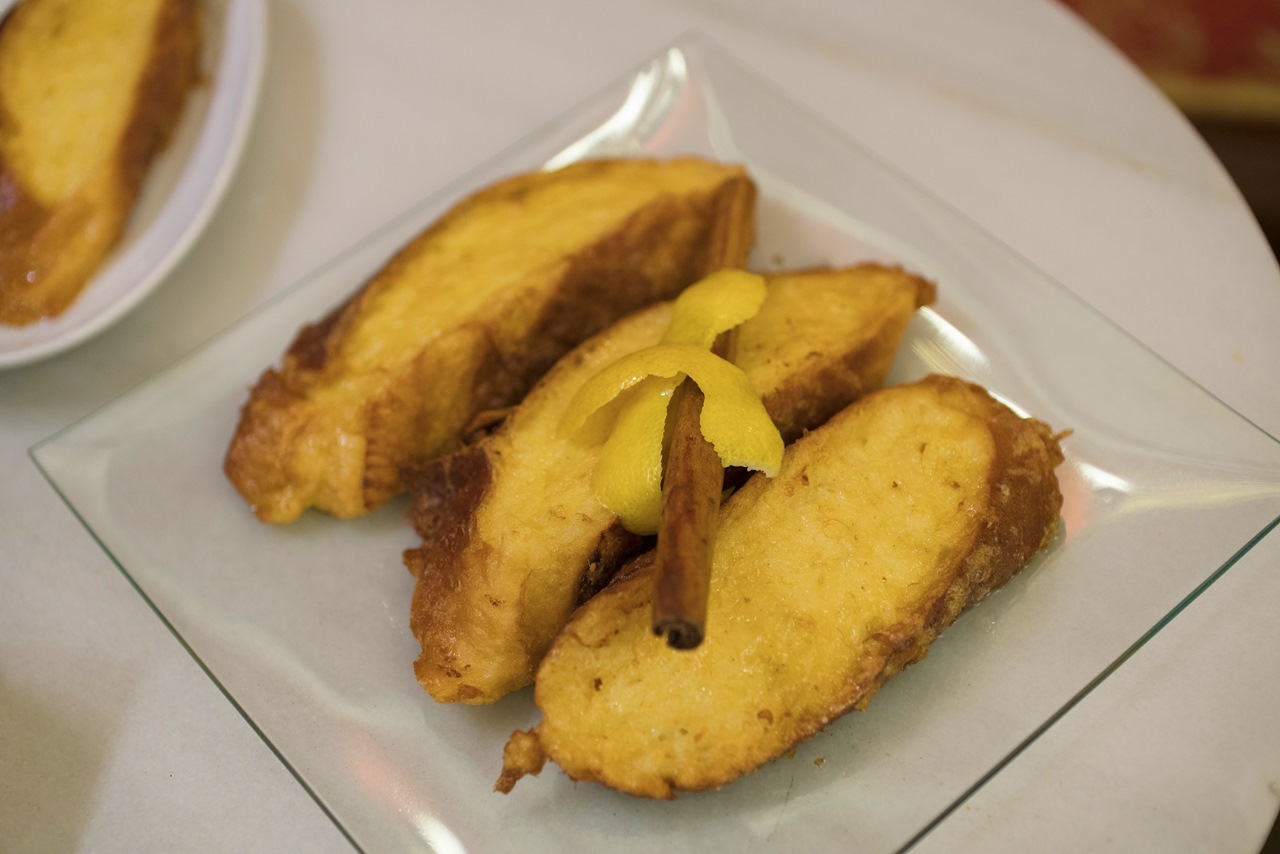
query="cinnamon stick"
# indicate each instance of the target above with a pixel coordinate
(686, 535)
(694, 478)
(691, 486)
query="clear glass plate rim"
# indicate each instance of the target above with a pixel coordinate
(1089, 687)
(195, 656)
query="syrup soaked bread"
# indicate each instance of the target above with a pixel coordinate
(469, 314)
(881, 528)
(90, 91)
(514, 538)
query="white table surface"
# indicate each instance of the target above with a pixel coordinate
(111, 738)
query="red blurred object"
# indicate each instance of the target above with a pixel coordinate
(1207, 38)
(1219, 62)
(1217, 57)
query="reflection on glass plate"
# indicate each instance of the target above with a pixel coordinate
(305, 627)
(181, 191)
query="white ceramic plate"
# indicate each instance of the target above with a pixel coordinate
(182, 188)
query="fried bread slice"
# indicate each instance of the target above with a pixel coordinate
(89, 93)
(469, 314)
(514, 538)
(881, 528)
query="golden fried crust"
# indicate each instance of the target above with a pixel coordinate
(514, 539)
(466, 318)
(522, 755)
(880, 529)
(827, 348)
(505, 518)
(53, 240)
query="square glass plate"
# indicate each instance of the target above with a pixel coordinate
(304, 627)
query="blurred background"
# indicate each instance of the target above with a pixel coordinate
(1219, 61)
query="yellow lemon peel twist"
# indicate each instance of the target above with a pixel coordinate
(628, 476)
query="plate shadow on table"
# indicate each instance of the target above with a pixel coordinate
(52, 755)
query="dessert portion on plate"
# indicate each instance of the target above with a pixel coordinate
(467, 316)
(882, 526)
(458, 371)
(90, 93)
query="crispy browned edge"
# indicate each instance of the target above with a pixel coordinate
(568, 318)
(446, 494)
(1026, 502)
(824, 393)
(29, 238)
(1025, 492)
(447, 491)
